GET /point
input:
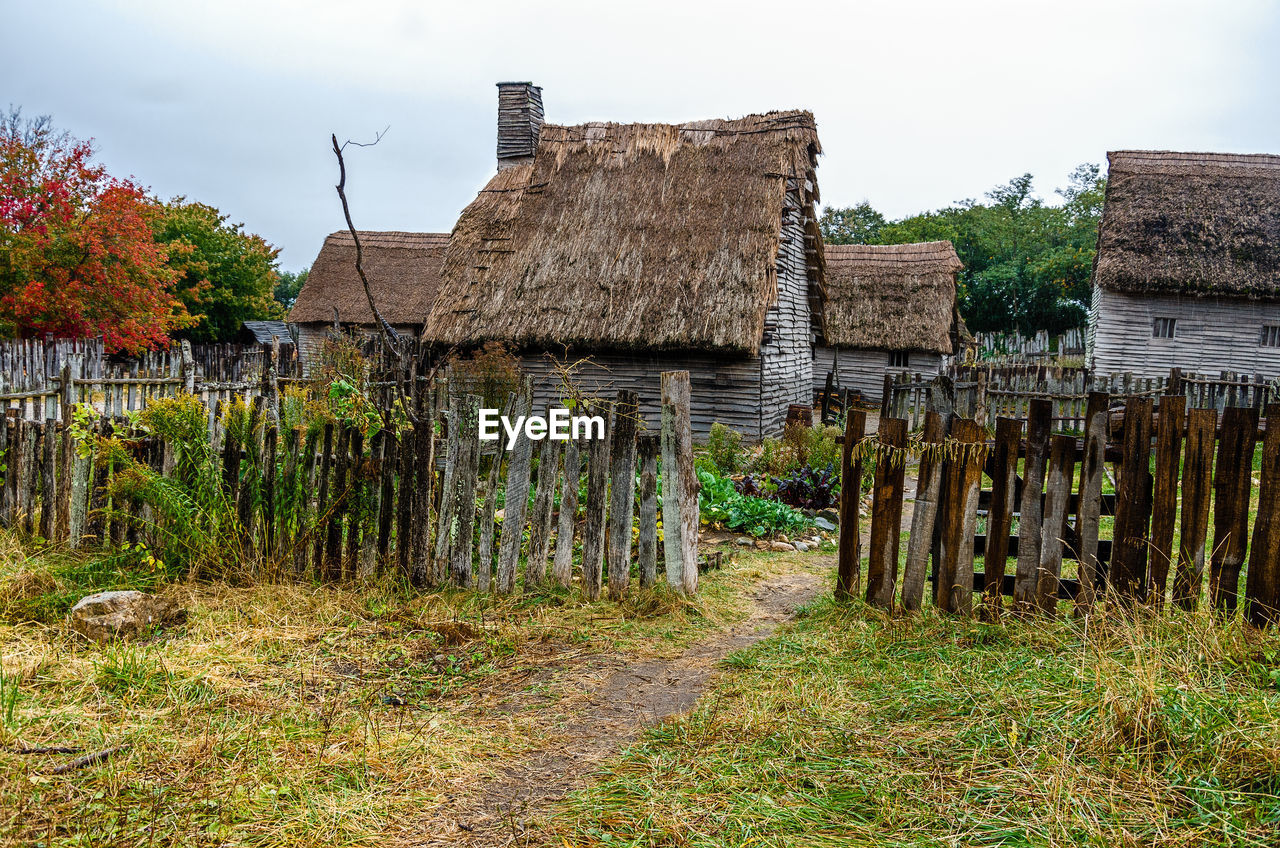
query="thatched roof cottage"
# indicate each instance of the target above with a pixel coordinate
(889, 309)
(403, 271)
(1187, 272)
(646, 247)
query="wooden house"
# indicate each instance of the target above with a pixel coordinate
(646, 248)
(889, 309)
(403, 271)
(264, 333)
(1187, 272)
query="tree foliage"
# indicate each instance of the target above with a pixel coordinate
(1027, 263)
(287, 287)
(224, 275)
(77, 255)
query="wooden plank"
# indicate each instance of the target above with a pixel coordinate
(331, 569)
(562, 567)
(269, 493)
(1128, 571)
(647, 543)
(464, 490)
(1030, 515)
(535, 569)
(422, 441)
(48, 481)
(849, 565)
(1004, 475)
(597, 495)
(1262, 583)
(679, 485)
(253, 454)
(408, 564)
(958, 518)
(355, 506)
(445, 527)
(1057, 488)
(484, 547)
(886, 513)
(1197, 477)
(1089, 511)
(322, 501)
(925, 512)
(1232, 484)
(388, 463)
(517, 497)
(622, 492)
(1098, 402)
(66, 464)
(1164, 503)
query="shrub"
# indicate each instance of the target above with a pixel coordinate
(492, 372)
(809, 488)
(720, 502)
(725, 450)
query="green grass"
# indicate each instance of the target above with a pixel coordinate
(852, 728)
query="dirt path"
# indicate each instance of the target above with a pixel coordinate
(631, 697)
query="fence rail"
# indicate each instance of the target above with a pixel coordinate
(1169, 465)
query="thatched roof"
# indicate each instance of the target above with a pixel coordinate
(648, 236)
(892, 296)
(1191, 223)
(403, 271)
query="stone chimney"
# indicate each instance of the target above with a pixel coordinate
(519, 122)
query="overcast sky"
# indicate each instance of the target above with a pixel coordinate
(918, 104)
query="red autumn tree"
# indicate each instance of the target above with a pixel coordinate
(78, 255)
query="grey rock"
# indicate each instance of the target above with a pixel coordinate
(122, 614)
(744, 542)
(829, 515)
(801, 546)
(823, 524)
(781, 547)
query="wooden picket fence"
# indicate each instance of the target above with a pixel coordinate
(329, 503)
(1012, 347)
(1157, 450)
(38, 378)
(988, 392)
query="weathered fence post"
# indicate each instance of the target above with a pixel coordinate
(647, 544)
(464, 488)
(679, 485)
(925, 514)
(1004, 479)
(562, 567)
(1164, 503)
(517, 497)
(849, 565)
(886, 513)
(535, 570)
(1089, 508)
(597, 501)
(1030, 514)
(954, 590)
(354, 507)
(484, 548)
(448, 497)
(1056, 502)
(1128, 569)
(622, 492)
(1262, 585)
(1232, 484)
(322, 502)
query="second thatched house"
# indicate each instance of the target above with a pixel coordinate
(889, 309)
(403, 271)
(646, 248)
(1187, 272)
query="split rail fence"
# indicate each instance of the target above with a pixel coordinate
(330, 503)
(1169, 467)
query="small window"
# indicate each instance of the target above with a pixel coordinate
(1164, 328)
(899, 359)
(1270, 336)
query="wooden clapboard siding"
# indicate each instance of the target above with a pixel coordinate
(786, 352)
(1212, 334)
(864, 370)
(311, 338)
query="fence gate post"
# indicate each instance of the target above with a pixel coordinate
(849, 568)
(1262, 585)
(886, 513)
(679, 513)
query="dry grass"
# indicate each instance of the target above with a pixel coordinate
(300, 715)
(854, 728)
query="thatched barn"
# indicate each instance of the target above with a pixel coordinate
(646, 248)
(889, 309)
(403, 271)
(1187, 272)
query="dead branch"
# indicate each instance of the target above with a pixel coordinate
(90, 759)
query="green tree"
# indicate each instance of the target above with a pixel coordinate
(290, 283)
(855, 225)
(225, 275)
(1027, 265)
